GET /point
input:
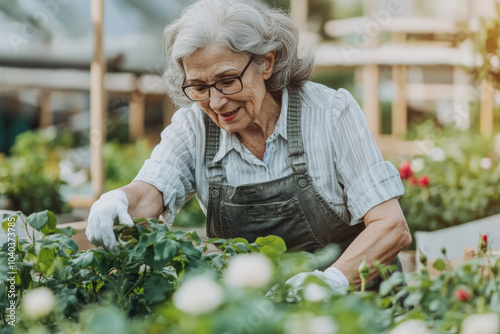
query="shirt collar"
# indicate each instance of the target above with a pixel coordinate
(229, 141)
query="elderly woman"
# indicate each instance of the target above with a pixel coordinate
(265, 150)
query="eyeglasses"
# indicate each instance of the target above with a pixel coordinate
(226, 86)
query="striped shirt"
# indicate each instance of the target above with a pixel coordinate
(342, 158)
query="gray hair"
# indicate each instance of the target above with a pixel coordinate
(244, 26)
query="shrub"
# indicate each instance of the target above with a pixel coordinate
(29, 178)
(164, 281)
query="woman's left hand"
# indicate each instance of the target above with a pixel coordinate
(332, 276)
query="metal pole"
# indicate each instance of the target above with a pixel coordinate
(97, 97)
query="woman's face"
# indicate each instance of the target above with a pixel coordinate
(236, 112)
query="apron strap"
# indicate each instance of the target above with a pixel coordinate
(215, 169)
(296, 155)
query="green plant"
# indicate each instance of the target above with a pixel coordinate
(444, 301)
(164, 281)
(29, 178)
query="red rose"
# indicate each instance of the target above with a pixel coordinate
(405, 169)
(483, 243)
(462, 295)
(423, 181)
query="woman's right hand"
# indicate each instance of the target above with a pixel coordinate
(110, 206)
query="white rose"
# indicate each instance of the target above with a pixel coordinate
(485, 163)
(198, 295)
(314, 292)
(437, 154)
(417, 164)
(38, 303)
(253, 270)
(411, 327)
(481, 324)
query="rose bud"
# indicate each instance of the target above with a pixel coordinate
(462, 294)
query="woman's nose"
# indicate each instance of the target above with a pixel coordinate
(217, 99)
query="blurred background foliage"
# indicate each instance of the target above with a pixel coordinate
(463, 173)
(30, 178)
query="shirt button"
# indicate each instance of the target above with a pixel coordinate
(302, 183)
(215, 193)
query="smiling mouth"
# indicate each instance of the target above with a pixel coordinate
(230, 113)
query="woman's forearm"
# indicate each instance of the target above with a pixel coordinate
(144, 200)
(385, 235)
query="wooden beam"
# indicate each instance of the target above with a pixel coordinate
(137, 111)
(46, 111)
(438, 92)
(414, 53)
(371, 106)
(97, 109)
(413, 25)
(487, 106)
(400, 101)
(299, 12)
(400, 97)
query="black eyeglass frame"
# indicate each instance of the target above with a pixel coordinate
(238, 77)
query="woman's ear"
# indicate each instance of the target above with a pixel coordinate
(269, 64)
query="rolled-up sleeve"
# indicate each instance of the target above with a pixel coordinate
(367, 179)
(171, 166)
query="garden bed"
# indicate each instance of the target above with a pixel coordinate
(164, 281)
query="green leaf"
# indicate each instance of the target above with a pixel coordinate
(84, 260)
(157, 227)
(397, 278)
(164, 251)
(413, 299)
(495, 302)
(38, 220)
(241, 246)
(66, 298)
(45, 222)
(66, 242)
(271, 246)
(439, 264)
(157, 288)
(46, 257)
(189, 249)
(68, 231)
(9, 222)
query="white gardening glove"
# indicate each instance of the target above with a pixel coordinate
(332, 276)
(112, 205)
